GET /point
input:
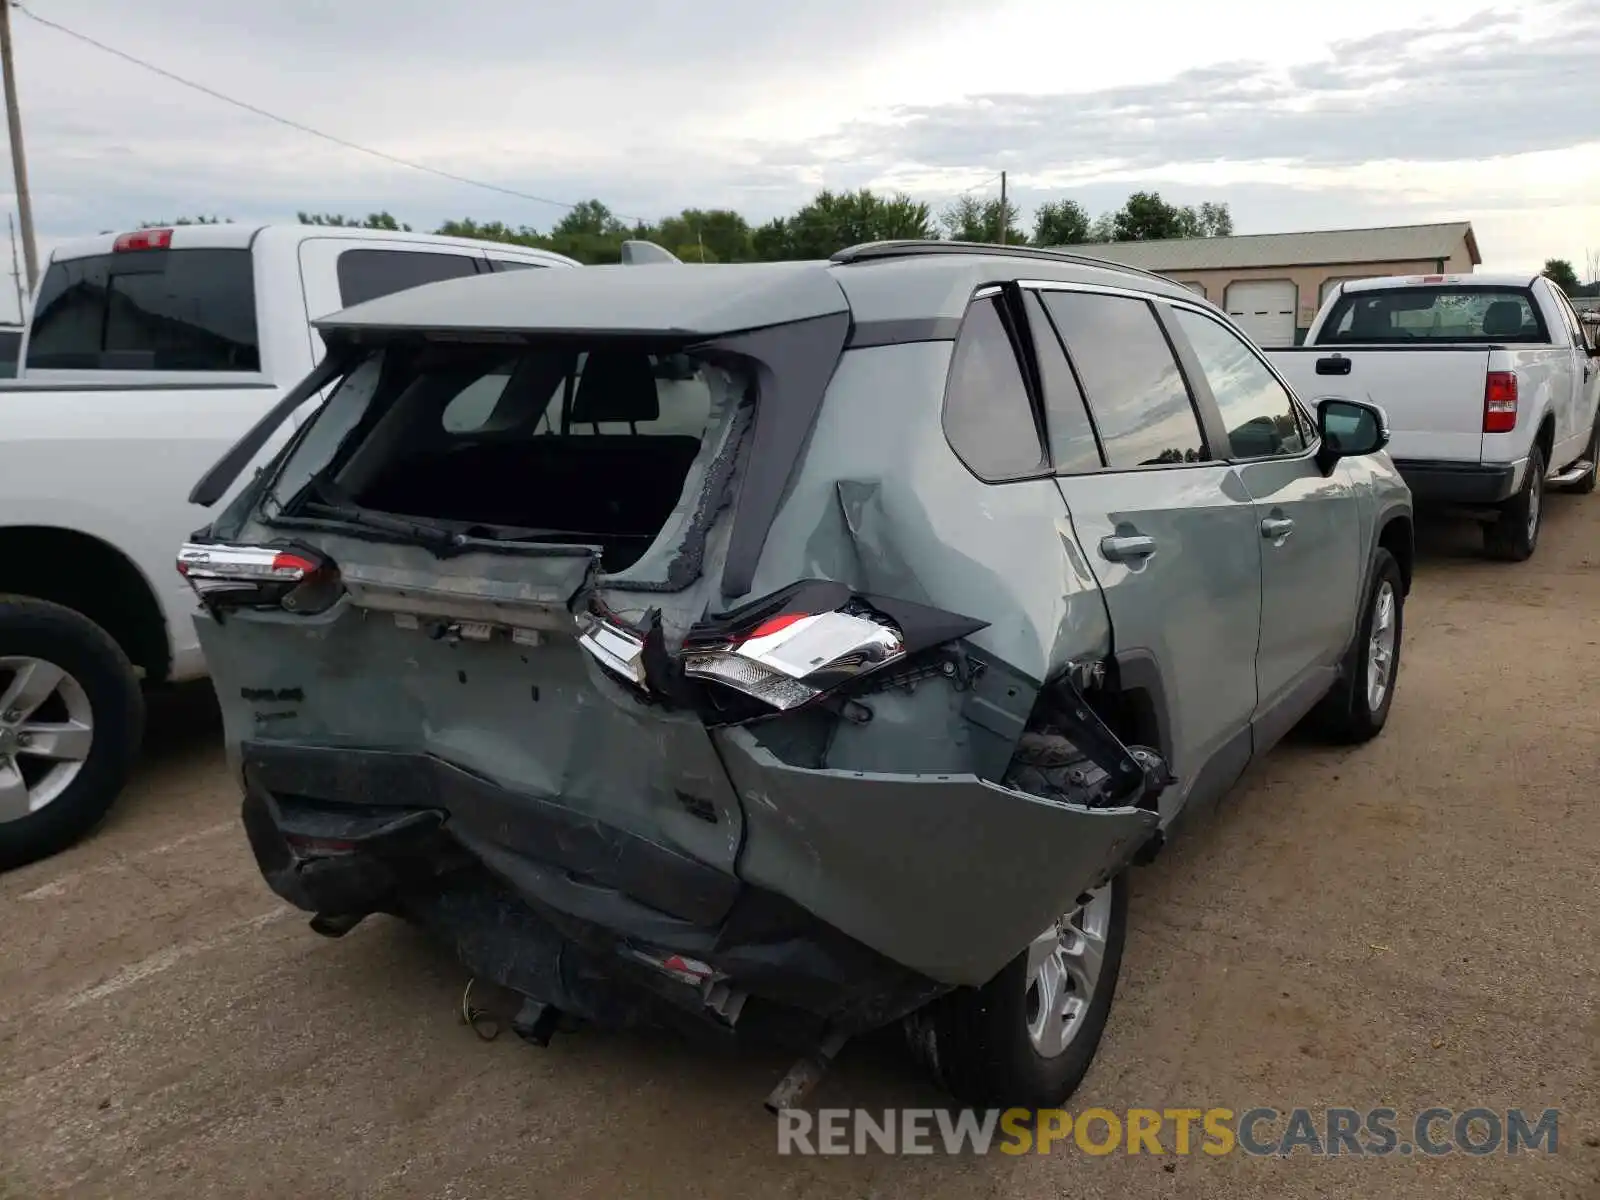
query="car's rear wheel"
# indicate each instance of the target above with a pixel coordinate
(71, 718)
(1028, 1036)
(1357, 709)
(1515, 533)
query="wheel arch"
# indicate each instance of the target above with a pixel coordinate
(1545, 438)
(1398, 537)
(92, 577)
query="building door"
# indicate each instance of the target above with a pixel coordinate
(1264, 309)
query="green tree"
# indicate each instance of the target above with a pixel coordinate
(969, 219)
(186, 221)
(493, 231)
(377, 220)
(588, 217)
(1208, 220)
(1061, 223)
(1147, 217)
(1559, 271)
(1104, 228)
(715, 235)
(834, 220)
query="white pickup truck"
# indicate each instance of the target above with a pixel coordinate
(148, 355)
(1490, 383)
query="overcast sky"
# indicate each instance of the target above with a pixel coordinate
(1298, 116)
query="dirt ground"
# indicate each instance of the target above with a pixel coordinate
(1408, 924)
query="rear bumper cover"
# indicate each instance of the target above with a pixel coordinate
(413, 836)
(1442, 482)
(860, 896)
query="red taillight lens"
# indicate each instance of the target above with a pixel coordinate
(1500, 402)
(144, 239)
(319, 847)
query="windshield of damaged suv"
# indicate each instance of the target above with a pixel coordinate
(599, 445)
(1470, 315)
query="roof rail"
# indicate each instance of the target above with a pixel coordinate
(905, 248)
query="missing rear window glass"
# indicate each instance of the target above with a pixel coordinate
(603, 445)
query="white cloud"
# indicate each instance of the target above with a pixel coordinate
(1381, 115)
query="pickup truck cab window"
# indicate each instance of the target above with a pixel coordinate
(1257, 410)
(367, 274)
(1136, 393)
(1396, 316)
(151, 310)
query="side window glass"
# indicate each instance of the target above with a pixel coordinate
(1570, 316)
(470, 409)
(1136, 393)
(1073, 448)
(367, 274)
(512, 264)
(987, 415)
(1257, 411)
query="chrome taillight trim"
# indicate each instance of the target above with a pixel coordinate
(615, 649)
(242, 563)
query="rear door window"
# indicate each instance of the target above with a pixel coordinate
(1397, 316)
(1135, 390)
(148, 310)
(1073, 445)
(988, 417)
(367, 274)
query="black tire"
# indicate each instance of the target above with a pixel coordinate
(35, 629)
(1514, 536)
(1584, 484)
(1346, 713)
(975, 1044)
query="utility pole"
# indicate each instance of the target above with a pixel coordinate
(16, 275)
(19, 161)
(1003, 214)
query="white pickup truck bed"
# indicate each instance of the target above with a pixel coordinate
(147, 356)
(1488, 381)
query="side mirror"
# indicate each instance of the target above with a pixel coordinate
(1349, 429)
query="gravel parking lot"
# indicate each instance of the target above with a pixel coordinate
(1408, 924)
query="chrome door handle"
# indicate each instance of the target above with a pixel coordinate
(1277, 527)
(1125, 547)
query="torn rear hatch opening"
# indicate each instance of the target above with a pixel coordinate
(593, 447)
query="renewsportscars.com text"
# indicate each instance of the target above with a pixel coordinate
(1258, 1132)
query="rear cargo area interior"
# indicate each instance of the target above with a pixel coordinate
(589, 447)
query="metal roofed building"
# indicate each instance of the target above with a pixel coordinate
(1273, 283)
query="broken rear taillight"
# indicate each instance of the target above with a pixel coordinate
(291, 577)
(804, 643)
(792, 659)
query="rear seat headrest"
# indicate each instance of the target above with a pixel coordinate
(1503, 318)
(617, 386)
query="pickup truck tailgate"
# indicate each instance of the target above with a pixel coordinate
(1432, 395)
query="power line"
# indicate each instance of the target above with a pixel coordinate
(296, 125)
(983, 183)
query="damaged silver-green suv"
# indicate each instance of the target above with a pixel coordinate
(792, 649)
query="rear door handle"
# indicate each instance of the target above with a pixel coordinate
(1277, 528)
(1127, 547)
